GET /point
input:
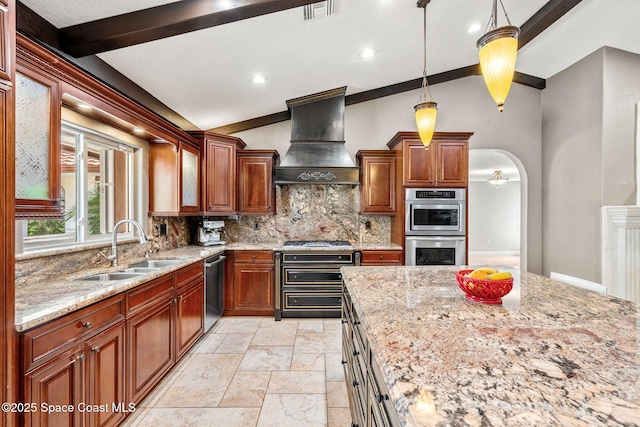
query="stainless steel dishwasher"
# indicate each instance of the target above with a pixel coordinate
(213, 290)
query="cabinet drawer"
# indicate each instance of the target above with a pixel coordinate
(145, 295)
(42, 343)
(254, 256)
(186, 274)
(309, 300)
(381, 257)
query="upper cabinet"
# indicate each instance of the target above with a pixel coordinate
(256, 190)
(377, 181)
(38, 126)
(444, 164)
(174, 185)
(218, 172)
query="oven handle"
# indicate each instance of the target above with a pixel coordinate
(440, 238)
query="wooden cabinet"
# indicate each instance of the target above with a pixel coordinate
(174, 184)
(381, 257)
(189, 308)
(76, 360)
(104, 377)
(37, 144)
(256, 190)
(377, 182)
(250, 283)
(444, 164)
(218, 172)
(166, 319)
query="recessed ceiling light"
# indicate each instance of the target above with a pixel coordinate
(258, 79)
(474, 28)
(85, 107)
(368, 53)
(225, 4)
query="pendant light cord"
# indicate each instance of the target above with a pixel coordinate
(425, 82)
(493, 20)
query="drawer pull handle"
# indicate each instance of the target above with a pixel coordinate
(96, 349)
(86, 325)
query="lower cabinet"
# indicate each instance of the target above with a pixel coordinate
(368, 394)
(381, 257)
(93, 366)
(250, 283)
(151, 349)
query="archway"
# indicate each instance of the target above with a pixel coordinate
(497, 216)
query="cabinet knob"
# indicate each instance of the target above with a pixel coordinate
(381, 257)
(295, 300)
(339, 276)
(96, 349)
(179, 297)
(355, 353)
(87, 325)
(254, 257)
(80, 357)
(295, 276)
(174, 300)
(344, 362)
(343, 321)
(355, 383)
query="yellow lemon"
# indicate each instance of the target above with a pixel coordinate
(478, 274)
(488, 270)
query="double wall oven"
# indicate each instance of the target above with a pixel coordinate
(435, 226)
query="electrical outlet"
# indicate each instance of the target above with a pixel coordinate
(256, 226)
(487, 240)
(367, 225)
(163, 230)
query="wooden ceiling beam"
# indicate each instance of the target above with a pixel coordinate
(90, 38)
(543, 19)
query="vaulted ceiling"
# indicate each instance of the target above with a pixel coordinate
(194, 61)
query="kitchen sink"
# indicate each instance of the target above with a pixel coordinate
(141, 269)
(156, 263)
(105, 277)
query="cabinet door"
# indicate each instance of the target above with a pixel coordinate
(254, 288)
(190, 315)
(105, 376)
(150, 348)
(378, 178)
(56, 384)
(189, 179)
(220, 177)
(255, 184)
(453, 163)
(419, 164)
(38, 125)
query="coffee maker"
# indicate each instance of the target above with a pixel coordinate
(209, 233)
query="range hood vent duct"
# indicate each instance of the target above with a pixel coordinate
(317, 154)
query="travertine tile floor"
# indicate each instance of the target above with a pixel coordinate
(254, 371)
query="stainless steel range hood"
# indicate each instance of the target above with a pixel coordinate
(317, 154)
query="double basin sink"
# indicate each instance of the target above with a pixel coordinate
(135, 270)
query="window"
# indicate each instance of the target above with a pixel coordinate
(97, 191)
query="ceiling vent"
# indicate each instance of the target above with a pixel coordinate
(319, 10)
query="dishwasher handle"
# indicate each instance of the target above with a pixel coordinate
(218, 261)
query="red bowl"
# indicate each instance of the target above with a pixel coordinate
(483, 290)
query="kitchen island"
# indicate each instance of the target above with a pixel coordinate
(417, 353)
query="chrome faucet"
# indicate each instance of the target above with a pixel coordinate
(114, 249)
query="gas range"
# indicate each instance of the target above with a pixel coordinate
(317, 243)
(308, 279)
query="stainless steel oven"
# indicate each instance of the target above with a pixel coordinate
(435, 250)
(435, 212)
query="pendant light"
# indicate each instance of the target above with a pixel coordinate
(426, 110)
(497, 178)
(497, 49)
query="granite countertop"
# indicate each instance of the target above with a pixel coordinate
(38, 302)
(550, 355)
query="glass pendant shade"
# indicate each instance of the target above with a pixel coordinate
(426, 113)
(497, 51)
(497, 178)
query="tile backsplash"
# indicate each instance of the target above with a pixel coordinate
(304, 212)
(311, 212)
